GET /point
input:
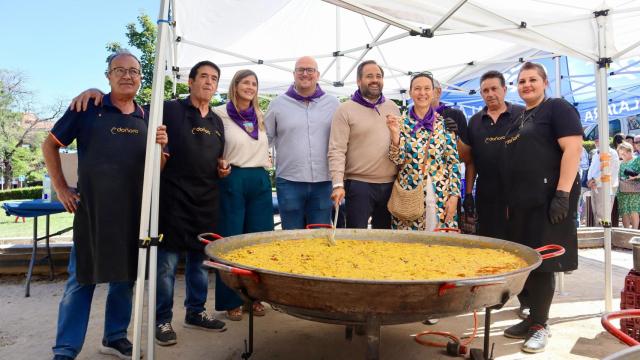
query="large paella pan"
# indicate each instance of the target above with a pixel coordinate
(353, 301)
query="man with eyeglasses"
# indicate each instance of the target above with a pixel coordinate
(188, 198)
(359, 161)
(111, 140)
(298, 125)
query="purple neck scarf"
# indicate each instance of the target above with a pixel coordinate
(246, 119)
(425, 122)
(357, 97)
(292, 93)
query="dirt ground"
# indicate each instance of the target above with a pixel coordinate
(27, 326)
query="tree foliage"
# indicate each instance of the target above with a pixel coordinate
(20, 153)
(142, 36)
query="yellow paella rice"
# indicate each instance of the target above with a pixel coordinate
(375, 260)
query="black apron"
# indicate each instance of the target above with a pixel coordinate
(189, 182)
(532, 171)
(487, 139)
(110, 176)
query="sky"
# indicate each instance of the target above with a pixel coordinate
(59, 46)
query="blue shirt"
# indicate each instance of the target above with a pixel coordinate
(300, 130)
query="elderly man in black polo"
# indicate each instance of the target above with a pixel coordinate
(111, 141)
(188, 197)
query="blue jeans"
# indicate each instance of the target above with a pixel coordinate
(302, 203)
(75, 306)
(197, 282)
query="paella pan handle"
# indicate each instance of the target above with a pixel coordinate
(473, 284)
(622, 314)
(202, 237)
(318, 226)
(559, 250)
(447, 230)
(231, 269)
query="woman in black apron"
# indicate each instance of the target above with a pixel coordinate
(541, 177)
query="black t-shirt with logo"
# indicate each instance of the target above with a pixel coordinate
(486, 139)
(111, 155)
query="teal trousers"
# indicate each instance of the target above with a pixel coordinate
(245, 207)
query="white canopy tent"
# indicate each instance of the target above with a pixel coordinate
(454, 39)
(592, 30)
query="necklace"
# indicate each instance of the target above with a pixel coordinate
(524, 117)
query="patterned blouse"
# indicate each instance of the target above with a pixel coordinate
(437, 153)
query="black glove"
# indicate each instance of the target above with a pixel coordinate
(630, 173)
(559, 207)
(469, 205)
(451, 125)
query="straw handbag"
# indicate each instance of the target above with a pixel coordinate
(406, 205)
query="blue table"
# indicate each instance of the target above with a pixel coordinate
(35, 209)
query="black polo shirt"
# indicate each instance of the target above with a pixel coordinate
(189, 182)
(182, 119)
(460, 119)
(111, 156)
(486, 139)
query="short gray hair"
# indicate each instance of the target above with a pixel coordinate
(120, 52)
(436, 84)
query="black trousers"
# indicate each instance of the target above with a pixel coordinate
(537, 294)
(367, 200)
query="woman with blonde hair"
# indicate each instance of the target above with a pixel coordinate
(245, 195)
(629, 188)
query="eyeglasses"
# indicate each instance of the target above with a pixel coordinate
(120, 72)
(422, 73)
(309, 71)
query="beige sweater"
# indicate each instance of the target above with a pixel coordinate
(240, 149)
(359, 144)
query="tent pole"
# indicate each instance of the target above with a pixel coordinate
(376, 38)
(558, 94)
(603, 120)
(558, 76)
(338, 34)
(174, 49)
(374, 14)
(150, 195)
(446, 16)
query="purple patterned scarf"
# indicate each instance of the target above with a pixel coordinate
(292, 93)
(425, 122)
(246, 119)
(357, 97)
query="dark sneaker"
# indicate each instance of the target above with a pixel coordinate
(519, 330)
(61, 357)
(536, 339)
(165, 335)
(121, 348)
(523, 312)
(203, 321)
